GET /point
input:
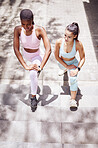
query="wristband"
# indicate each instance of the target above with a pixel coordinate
(78, 68)
(39, 69)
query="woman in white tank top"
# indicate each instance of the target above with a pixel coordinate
(30, 36)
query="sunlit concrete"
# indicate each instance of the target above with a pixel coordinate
(53, 125)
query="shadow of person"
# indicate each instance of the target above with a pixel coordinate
(25, 98)
(66, 91)
(65, 87)
(44, 99)
(78, 96)
(46, 95)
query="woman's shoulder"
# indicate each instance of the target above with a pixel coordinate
(17, 29)
(40, 31)
(79, 44)
(59, 41)
(39, 28)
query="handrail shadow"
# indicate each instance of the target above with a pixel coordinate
(91, 10)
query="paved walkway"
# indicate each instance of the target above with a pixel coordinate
(53, 125)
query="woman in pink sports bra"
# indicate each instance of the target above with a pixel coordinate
(30, 36)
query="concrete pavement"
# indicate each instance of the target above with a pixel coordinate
(53, 125)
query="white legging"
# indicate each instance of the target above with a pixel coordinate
(34, 58)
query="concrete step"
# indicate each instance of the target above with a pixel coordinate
(50, 99)
(50, 87)
(89, 72)
(51, 110)
(49, 132)
(44, 145)
(53, 124)
(47, 75)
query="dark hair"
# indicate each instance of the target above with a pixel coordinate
(73, 28)
(26, 14)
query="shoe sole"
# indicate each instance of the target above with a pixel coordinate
(73, 108)
(33, 108)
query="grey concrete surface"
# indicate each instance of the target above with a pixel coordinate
(53, 125)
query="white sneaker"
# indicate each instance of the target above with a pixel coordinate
(73, 103)
(61, 72)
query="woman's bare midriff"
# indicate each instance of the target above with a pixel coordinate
(31, 50)
(66, 59)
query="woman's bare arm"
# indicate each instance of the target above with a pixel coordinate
(16, 45)
(47, 46)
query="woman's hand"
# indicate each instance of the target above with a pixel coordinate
(73, 72)
(71, 67)
(32, 67)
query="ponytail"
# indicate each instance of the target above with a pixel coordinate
(74, 27)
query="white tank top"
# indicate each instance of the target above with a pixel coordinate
(31, 41)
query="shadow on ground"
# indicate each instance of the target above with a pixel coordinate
(91, 9)
(43, 98)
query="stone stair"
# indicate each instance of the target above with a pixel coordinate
(53, 125)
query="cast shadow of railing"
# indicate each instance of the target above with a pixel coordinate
(66, 90)
(12, 2)
(7, 108)
(4, 124)
(91, 9)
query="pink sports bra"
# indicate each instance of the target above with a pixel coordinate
(31, 41)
